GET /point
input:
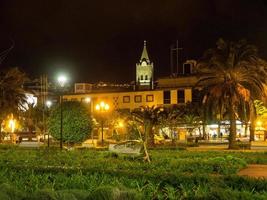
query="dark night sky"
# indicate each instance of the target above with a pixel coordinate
(102, 40)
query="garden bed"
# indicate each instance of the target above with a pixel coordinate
(172, 174)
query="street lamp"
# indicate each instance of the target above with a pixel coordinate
(87, 100)
(61, 81)
(48, 104)
(102, 107)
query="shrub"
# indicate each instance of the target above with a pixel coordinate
(77, 124)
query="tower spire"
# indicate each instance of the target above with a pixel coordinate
(144, 55)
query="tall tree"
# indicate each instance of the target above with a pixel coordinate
(232, 74)
(12, 94)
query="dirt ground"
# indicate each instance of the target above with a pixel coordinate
(257, 171)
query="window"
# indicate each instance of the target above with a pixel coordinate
(187, 68)
(196, 96)
(137, 98)
(79, 87)
(142, 77)
(167, 97)
(73, 99)
(88, 87)
(126, 99)
(149, 98)
(146, 77)
(180, 96)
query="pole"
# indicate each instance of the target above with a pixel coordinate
(61, 124)
(102, 129)
(177, 60)
(48, 139)
(171, 60)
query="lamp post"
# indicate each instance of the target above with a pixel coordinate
(102, 107)
(87, 100)
(48, 104)
(61, 81)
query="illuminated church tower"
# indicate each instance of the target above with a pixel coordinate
(144, 71)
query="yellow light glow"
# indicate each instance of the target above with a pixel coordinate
(106, 107)
(97, 107)
(259, 123)
(12, 125)
(87, 99)
(121, 124)
(102, 104)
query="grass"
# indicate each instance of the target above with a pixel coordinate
(84, 174)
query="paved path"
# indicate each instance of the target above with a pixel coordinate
(256, 171)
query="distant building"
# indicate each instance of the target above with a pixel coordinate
(167, 91)
(83, 88)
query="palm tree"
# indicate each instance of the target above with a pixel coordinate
(134, 120)
(192, 117)
(170, 118)
(232, 75)
(149, 117)
(191, 121)
(12, 94)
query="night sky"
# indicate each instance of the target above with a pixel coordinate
(102, 40)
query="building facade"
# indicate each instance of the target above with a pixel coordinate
(131, 100)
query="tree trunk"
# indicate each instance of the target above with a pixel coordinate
(149, 134)
(204, 131)
(146, 154)
(199, 130)
(232, 134)
(246, 128)
(252, 124)
(1, 122)
(219, 130)
(252, 130)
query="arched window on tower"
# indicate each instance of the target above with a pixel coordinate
(142, 77)
(146, 77)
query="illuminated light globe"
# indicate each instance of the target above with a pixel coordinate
(102, 104)
(48, 103)
(97, 107)
(106, 107)
(62, 80)
(87, 99)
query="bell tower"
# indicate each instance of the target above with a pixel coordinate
(144, 71)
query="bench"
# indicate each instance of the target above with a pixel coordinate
(127, 147)
(30, 144)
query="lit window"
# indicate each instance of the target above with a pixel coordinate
(126, 99)
(149, 98)
(137, 98)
